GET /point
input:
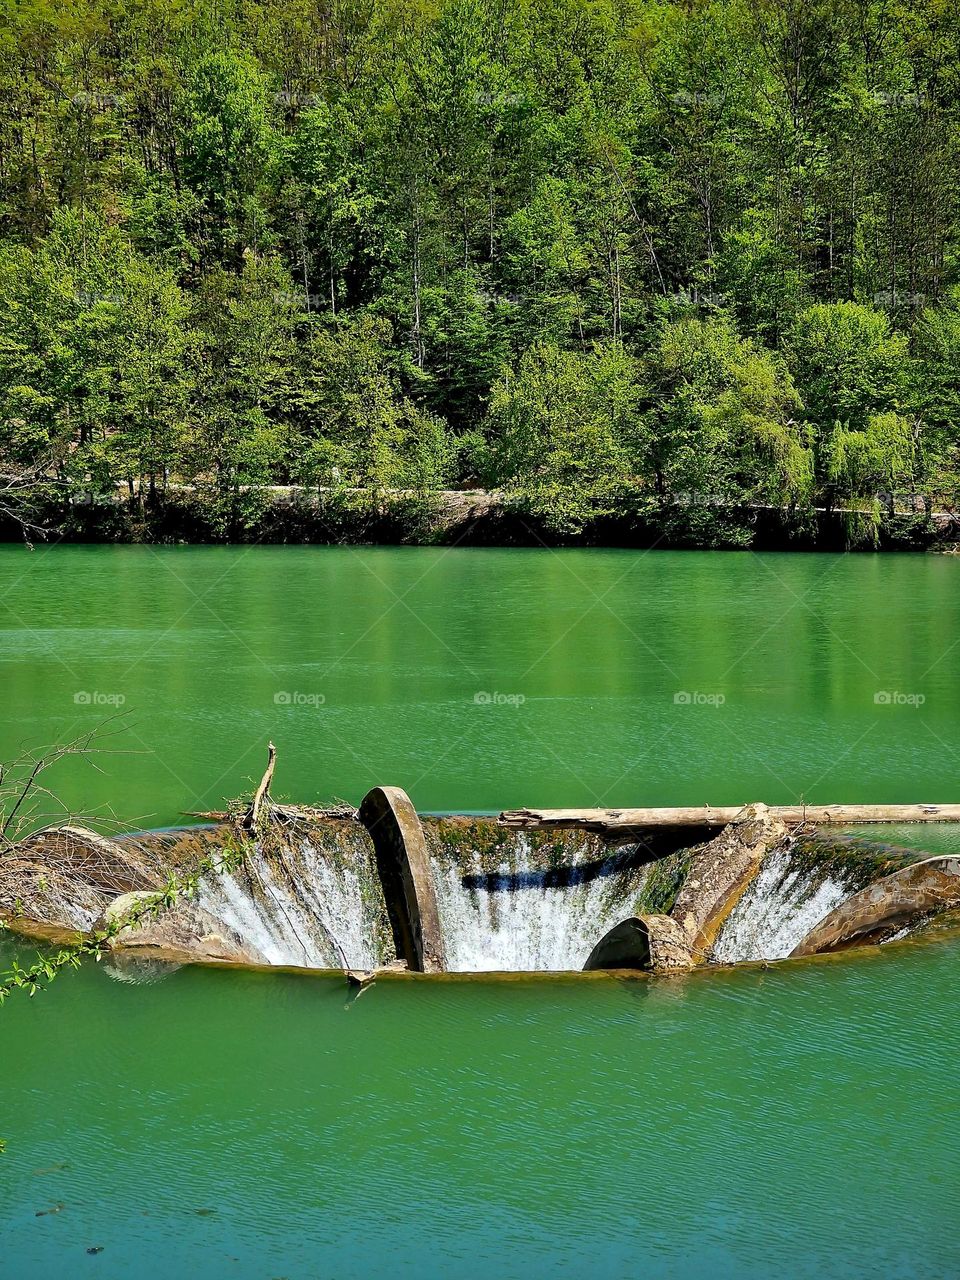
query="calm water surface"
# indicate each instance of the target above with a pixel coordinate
(657, 678)
(796, 1121)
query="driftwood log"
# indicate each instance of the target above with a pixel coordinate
(719, 873)
(887, 906)
(616, 822)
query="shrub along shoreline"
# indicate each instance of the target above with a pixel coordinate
(476, 518)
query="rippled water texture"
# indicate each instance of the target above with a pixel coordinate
(789, 1121)
(365, 666)
(795, 1121)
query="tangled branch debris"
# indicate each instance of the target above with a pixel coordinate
(71, 874)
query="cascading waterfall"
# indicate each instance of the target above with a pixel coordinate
(530, 905)
(315, 904)
(778, 910)
(508, 899)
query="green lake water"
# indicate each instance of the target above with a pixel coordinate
(793, 1121)
(406, 666)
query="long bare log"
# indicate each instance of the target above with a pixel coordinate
(620, 821)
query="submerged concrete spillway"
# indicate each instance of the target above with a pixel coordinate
(530, 890)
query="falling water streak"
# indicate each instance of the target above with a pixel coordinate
(335, 898)
(512, 921)
(235, 904)
(777, 911)
(296, 916)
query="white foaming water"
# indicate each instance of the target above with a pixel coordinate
(309, 914)
(516, 921)
(253, 919)
(334, 898)
(778, 910)
(541, 907)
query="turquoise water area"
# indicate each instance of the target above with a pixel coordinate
(481, 680)
(789, 1121)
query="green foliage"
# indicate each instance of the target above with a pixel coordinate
(567, 246)
(756, 272)
(226, 145)
(247, 322)
(863, 465)
(847, 364)
(356, 428)
(937, 346)
(561, 428)
(722, 429)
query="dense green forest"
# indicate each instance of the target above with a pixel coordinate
(691, 255)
